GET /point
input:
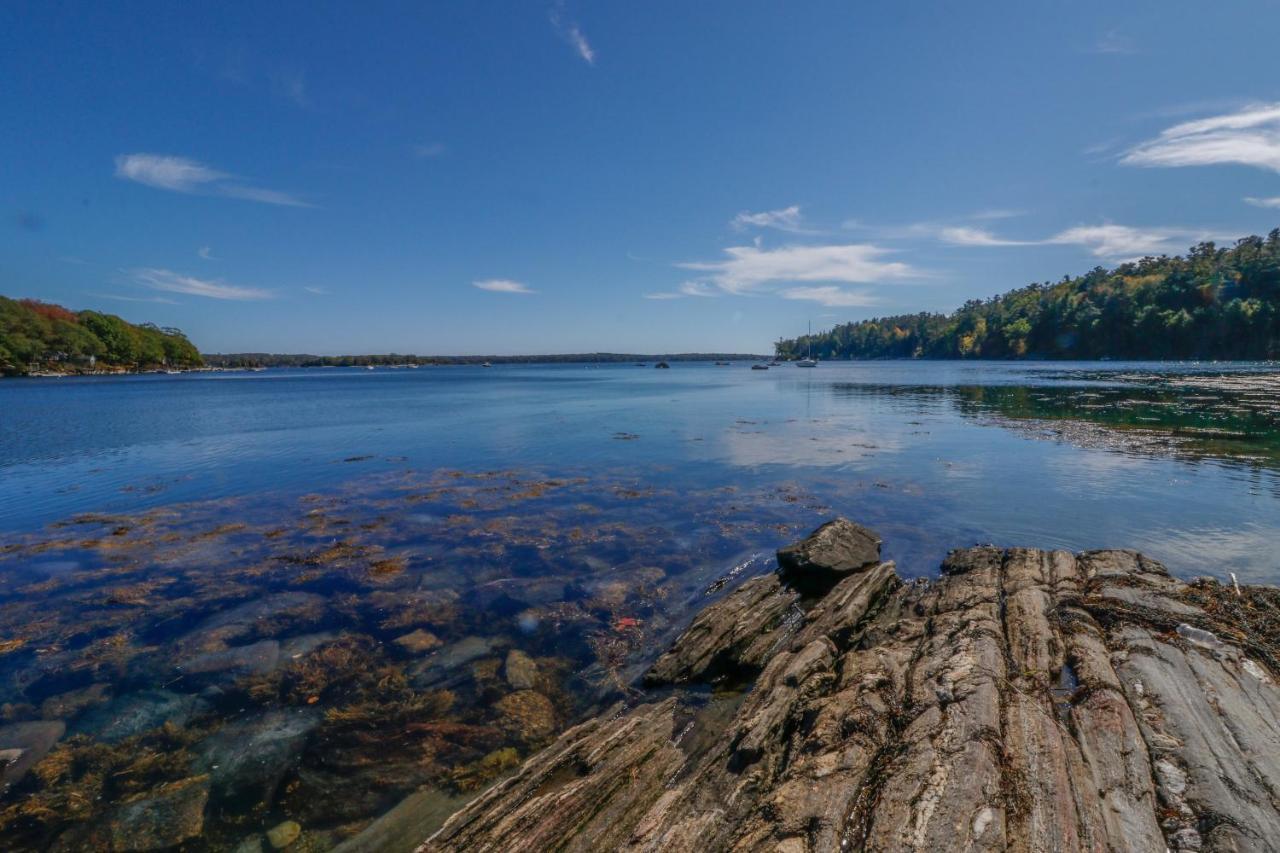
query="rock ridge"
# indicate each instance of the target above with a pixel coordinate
(1026, 700)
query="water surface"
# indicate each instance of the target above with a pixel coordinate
(231, 600)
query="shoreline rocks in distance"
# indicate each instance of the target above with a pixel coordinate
(1026, 700)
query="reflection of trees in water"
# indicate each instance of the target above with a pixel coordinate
(1228, 418)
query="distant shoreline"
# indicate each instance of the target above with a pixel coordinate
(255, 359)
(414, 362)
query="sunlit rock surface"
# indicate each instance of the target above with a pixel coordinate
(1026, 700)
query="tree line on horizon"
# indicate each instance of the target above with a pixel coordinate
(37, 336)
(265, 359)
(1212, 303)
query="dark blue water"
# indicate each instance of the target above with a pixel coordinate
(923, 447)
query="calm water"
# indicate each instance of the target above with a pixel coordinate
(1061, 455)
(232, 600)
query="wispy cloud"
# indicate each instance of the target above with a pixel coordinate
(1124, 242)
(502, 285)
(1274, 201)
(697, 288)
(688, 288)
(956, 229)
(571, 32)
(1109, 241)
(317, 291)
(968, 236)
(1114, 42)
(996, 213)
(172, 282)
(784, 219)
(831, 296)
(184, 175)
(205, 253)
(429, 150)
(1249, 137)
(291, 83)
(748, 268)
(121, 298)
(167, 173)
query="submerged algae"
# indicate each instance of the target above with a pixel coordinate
(406, 631)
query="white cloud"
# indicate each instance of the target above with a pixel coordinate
(263, 195)
(1114, 42)
(831, 296)
(1274, 201)
(572, 33)
(118, 298)
(167, 173)
(318, 291)
(997, 213)
(1249, 137)
(1114, 242)
(749, 268)
(205, 253)
(502, 285)
(1122, 241)
(689, 288)
(965, 236)
(172, 282)
(184, 175)
(783, 219)
(696, 288)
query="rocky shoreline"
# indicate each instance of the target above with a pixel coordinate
(1026, 700)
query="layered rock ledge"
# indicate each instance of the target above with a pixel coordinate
(1026, 700)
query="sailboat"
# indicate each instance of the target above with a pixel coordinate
(808, 360)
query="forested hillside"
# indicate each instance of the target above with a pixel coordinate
(38, 336)
(1213, 303)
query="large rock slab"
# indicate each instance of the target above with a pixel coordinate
(1027, 700)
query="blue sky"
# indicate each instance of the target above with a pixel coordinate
(576, 176)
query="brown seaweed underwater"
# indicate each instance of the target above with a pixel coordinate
(175, 678)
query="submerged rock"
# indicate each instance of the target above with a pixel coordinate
(260, 657)
(441, 668)
(282, 835)
(22, 745)
(402, 828)
(527, 714)
(135, 713)
(74, 702)
(520, 670)
(1026, 700)
(246, 760)
(170, 816)
(418, 642)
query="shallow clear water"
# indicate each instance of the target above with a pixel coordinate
(230, 600)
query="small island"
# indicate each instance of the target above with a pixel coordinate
(1212, 303)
